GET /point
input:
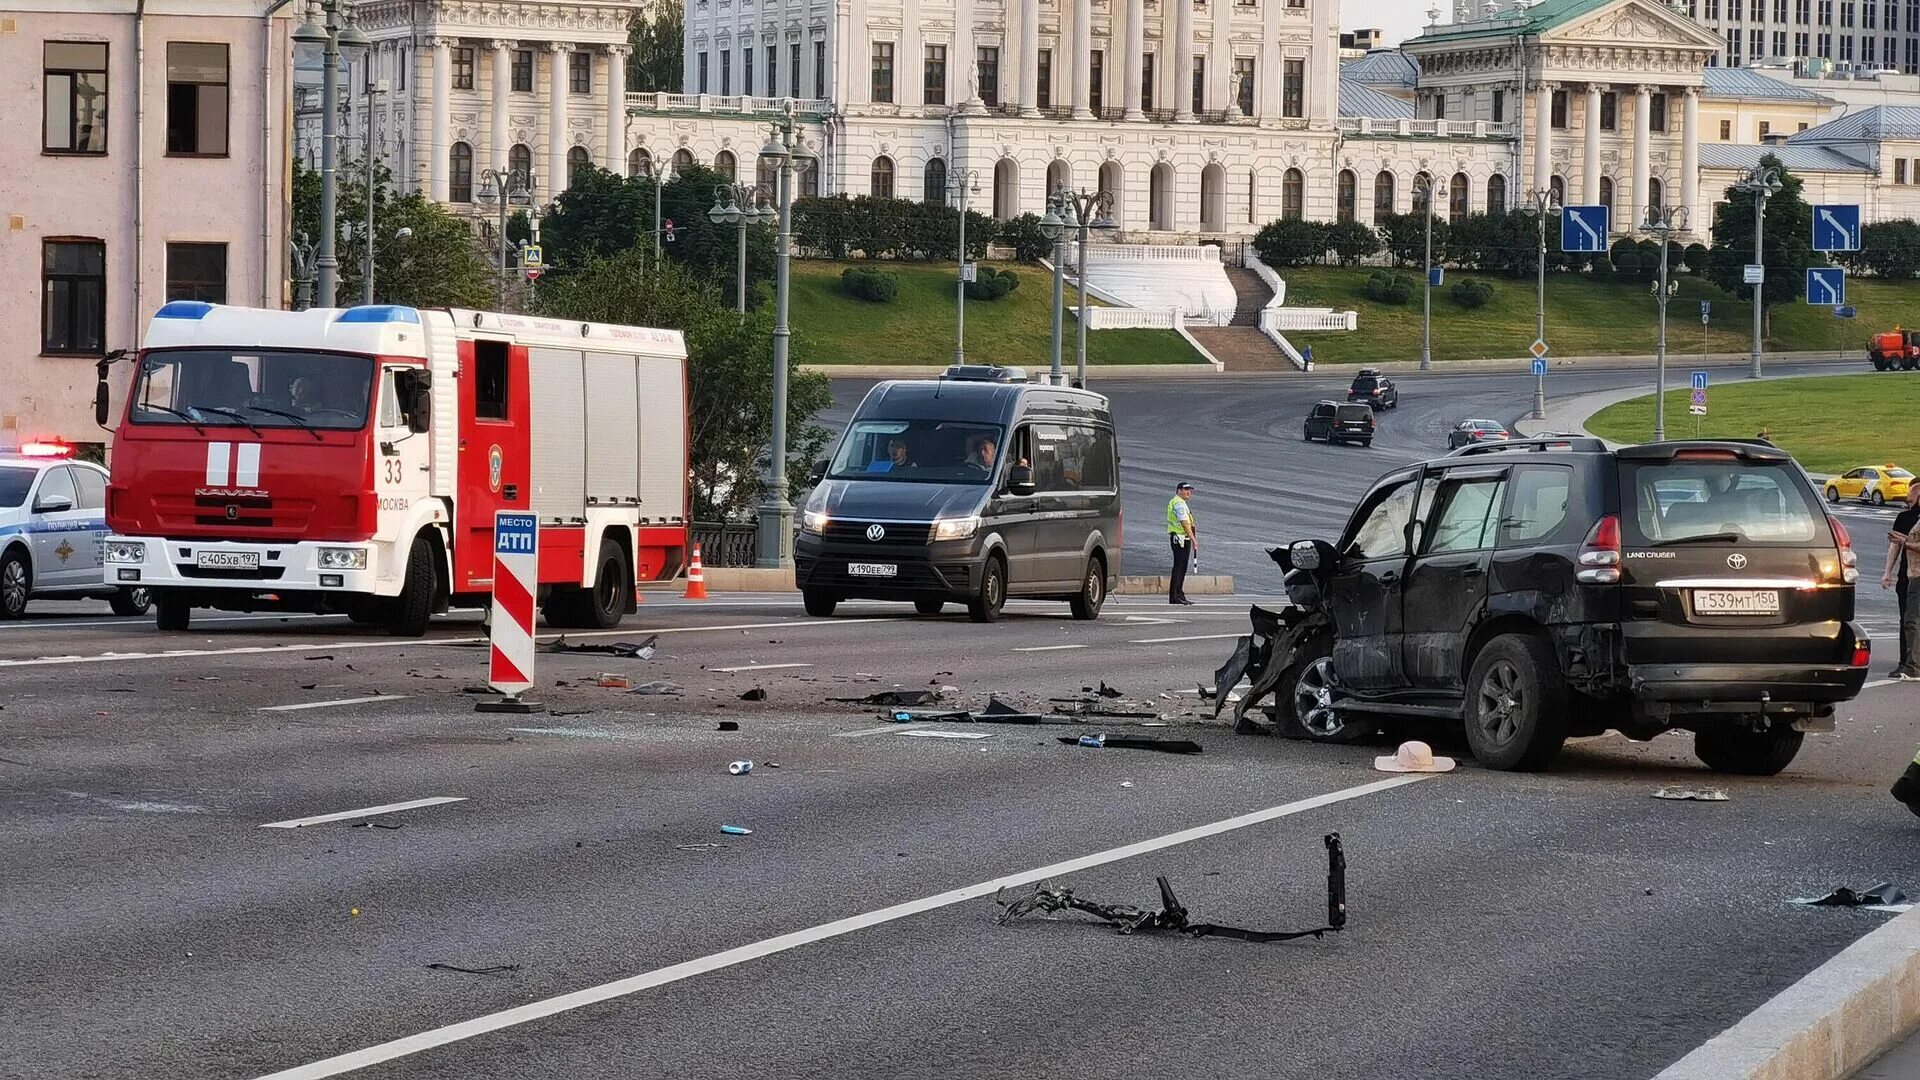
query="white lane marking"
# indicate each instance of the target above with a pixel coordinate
(330, 704)
(757, 667)
(593, 995)
(1878, 682)
(137, 620)
(344, 815)
(387, 643)
(864, 732)
(1196, 637)
(246, 466)
(936, 733)
(1049, 648)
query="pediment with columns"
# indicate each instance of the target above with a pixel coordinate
(1625, 41)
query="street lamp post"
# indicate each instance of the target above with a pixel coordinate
(335, 34)
(1761, 182)
(964, 180)
(785, 149)
(1662, 222)
(1426, 292)
(1084, 211)
(302, 251)
(1054, 227)
(502, 189)
(366, 257)
(741, 206)
(1539, 204)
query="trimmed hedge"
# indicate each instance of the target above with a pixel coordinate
(870, 283)
(1384, 288)
(1471, 294)
(991, 284)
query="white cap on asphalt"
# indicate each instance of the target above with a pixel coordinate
(1413, 757)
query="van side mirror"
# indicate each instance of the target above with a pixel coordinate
(1020, 480)
(818, 472)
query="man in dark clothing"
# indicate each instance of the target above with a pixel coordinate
(1903, 572)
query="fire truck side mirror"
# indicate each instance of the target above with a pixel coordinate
(417, 400)
(100, 403)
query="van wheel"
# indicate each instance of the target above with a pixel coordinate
(820, 605)
(1304, 701)
(986, 604)
(414, 606)
(1746, 752)
(1516, 708)
(1093, 591)
(16, 584)
(130, 601)
(931, 606)
(172, 614)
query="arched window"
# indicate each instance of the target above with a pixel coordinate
(1606, 194)
(725, 165)
(577, 159)
(806, 173)
(1656, 193)
(1457, 193)
(1558, 185)
(460, 162)
(520, 163)
(1383, 194)
(1293, 195)
(1496, 194)
(1422, 192)
(933, 186)
(1213, 198)
(1006, 189)
(1160, 183)
(682, 160)
(769, 177)
(1111, 179)
(639, 162)
(1059, 175)
(882, 179)
(1349, 194)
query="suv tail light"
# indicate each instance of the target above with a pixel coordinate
(1862, 652)
(1600, 555)
(1849, 562)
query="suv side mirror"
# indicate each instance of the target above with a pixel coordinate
(1020, 480)
(818, 472)
(1313, 556)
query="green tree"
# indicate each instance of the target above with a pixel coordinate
(1888, 249)
(438, 264)
(1406, 238)
(1288, 242)
(1352, 241)
(602, 214)
(729, 372)
(656, 63)
(1787, 250)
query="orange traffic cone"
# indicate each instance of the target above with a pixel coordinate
(696, 578)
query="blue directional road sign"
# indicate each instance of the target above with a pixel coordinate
(1583, 228)
(1826, 286)
(1836, 228)
(1435, 275)
(1699, 380)
(1539, 367)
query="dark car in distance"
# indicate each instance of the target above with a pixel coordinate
(1469, 432)
(1375, 389)
(1542, 589)
(1338, 422)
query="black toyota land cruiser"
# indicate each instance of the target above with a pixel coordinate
(1538, 589)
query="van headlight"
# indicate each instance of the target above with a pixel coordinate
(126, 553)
(343, 558)
(956, 528)
(815, 522)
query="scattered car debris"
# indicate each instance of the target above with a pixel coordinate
(1103, 690)
(612, 681)
(893, 698)
(1172, 916)
(758, 693)
(740, 768)
(936, 733)
(630, 650)
(1413, 756)
(376, 825)
(1691, 794)
(497, 969)
(728, 725)
(735, 830)
(695, 847)
(1885, 896)
(660, 688)
(1109, 742)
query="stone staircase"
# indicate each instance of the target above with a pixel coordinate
(1240, 345)
(1250, 295)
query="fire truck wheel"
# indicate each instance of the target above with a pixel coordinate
(414, 606)
(604, 607)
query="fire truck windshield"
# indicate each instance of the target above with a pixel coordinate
(258, 388)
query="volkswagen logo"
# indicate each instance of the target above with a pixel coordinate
(876, 533)
(1736, 561)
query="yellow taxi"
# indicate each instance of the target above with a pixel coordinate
(1876, 484)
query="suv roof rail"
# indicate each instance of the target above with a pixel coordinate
(1575, 444)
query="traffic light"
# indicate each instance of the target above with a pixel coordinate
(666, 227)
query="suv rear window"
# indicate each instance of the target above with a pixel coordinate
(1354, 412)
(1757, 503)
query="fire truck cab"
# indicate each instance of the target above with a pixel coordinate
(351, 461)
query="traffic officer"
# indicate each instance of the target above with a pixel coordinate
(1185, 541)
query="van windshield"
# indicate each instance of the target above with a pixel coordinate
(919, 452)
(1744, 502)
(255, 387)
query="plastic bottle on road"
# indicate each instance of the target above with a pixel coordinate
(740, 768)
(1096, 741)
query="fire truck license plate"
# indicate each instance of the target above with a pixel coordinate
(872, 569)
(1736, 602)
(227, 560)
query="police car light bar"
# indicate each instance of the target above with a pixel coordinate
(46, 449)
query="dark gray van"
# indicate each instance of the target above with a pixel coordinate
(972, 488)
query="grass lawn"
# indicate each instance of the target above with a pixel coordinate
(1584, 318)
(917, 327)
(1832, 423)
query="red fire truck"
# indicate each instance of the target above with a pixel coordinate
(352, 460)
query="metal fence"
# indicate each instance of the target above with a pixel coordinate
(726, 544)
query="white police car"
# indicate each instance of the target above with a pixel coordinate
(53, 517)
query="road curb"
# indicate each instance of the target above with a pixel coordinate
(1836, 1020)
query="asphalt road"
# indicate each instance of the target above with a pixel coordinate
(1503, 925)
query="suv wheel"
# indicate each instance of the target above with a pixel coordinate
(1516, 705)
(1733, 749)
(1304, 702)
(1093, 591)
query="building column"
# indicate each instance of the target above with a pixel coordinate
(1542, 137)
(558, 85)
(1590, 150)
(1029, 58)
(497, 138)
(1082, 58)
(440, 141)
(1642, 165)
(1182, 45)
(1690, 156)
(1136, 65)
(615, 155)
